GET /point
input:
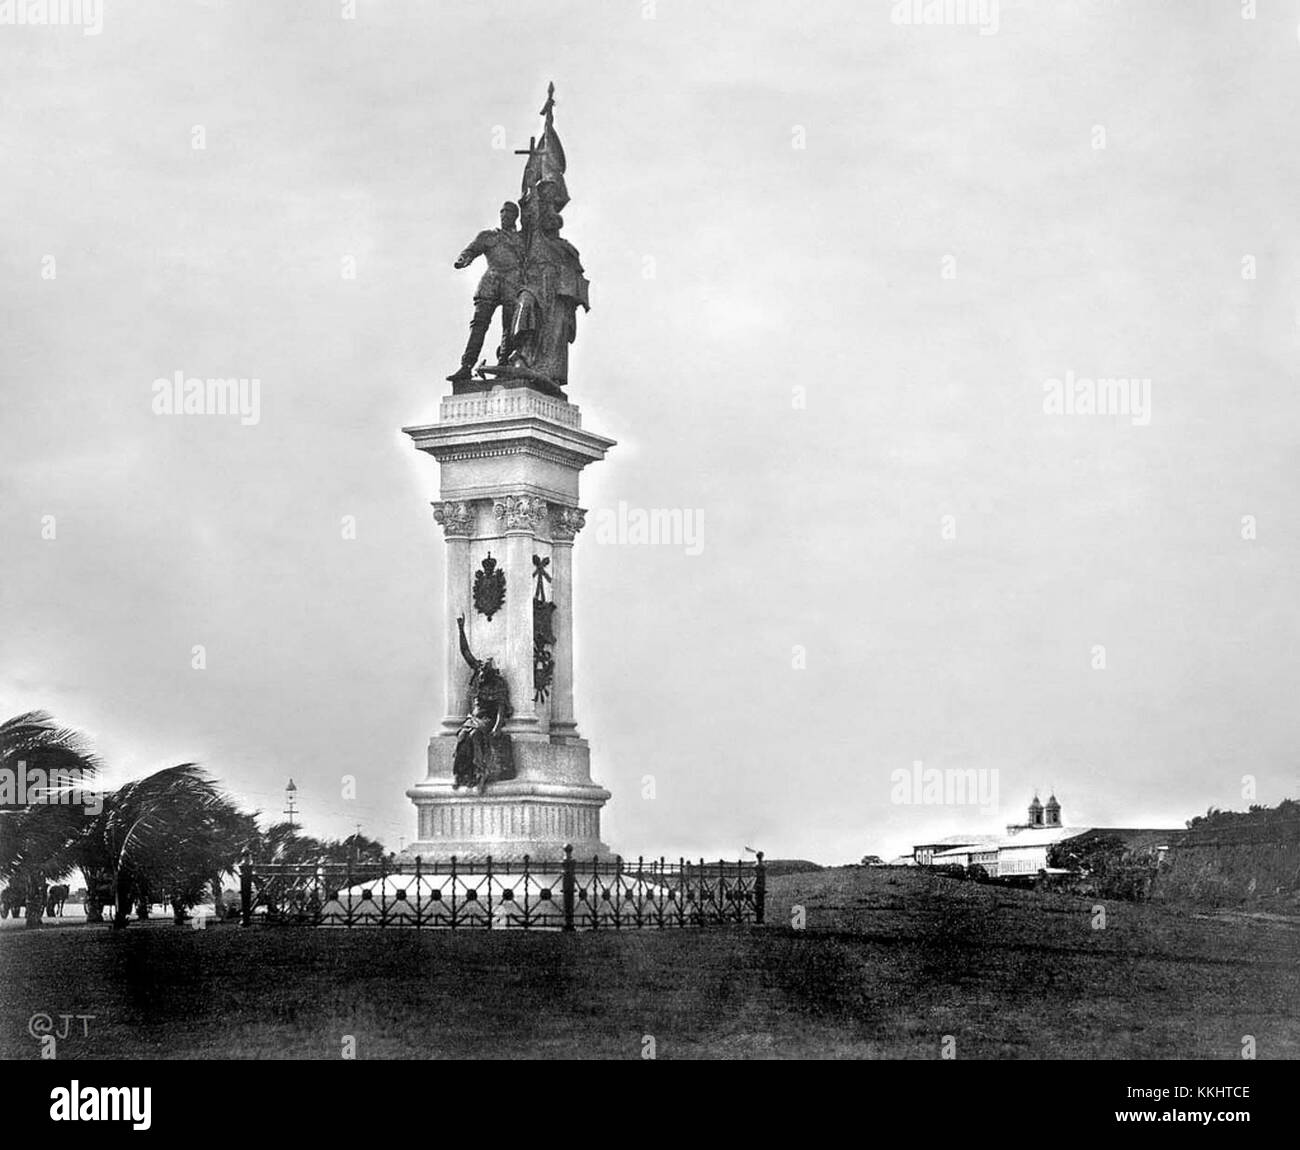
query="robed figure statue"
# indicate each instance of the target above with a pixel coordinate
(483, 752)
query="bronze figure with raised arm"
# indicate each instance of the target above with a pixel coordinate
(483, 752)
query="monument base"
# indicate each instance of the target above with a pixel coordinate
(511, 820)
(550, 802)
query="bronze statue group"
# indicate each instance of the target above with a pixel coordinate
(533, 275)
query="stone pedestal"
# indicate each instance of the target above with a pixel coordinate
(510, 459)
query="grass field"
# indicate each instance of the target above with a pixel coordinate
(889, 963)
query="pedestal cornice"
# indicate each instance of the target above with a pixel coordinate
(506, 422)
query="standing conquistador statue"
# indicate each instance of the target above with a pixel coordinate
(503, 248)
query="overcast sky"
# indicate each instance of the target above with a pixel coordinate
(919, 226)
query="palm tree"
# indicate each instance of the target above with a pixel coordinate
(163, 834)
(170, 833)
(40, 833)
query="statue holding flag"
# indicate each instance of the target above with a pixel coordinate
(551, 282)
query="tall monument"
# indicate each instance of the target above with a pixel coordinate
(508, 772)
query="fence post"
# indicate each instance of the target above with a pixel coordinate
(246, 889)
(568, 886)
(760, 890)
(722, 889)
(419, 914)
(347, 886)
(618, 892)
(640, 887)
(683, 889)
(451, 922)
(663, 879)
(703, 888)
(528, 913)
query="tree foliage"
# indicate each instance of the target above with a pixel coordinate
(170, 835)
(1287, 811)
(38, 833)
(1106, 865)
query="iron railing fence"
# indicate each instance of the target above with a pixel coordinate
(566, 894)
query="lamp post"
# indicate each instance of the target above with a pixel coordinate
(290, 793)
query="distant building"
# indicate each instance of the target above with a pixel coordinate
(923, 854)
(1039, 816)
(1053, 812)
(1023, 850)
(981, 854)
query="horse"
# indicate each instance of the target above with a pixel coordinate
(54, 903)
(12, 902)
